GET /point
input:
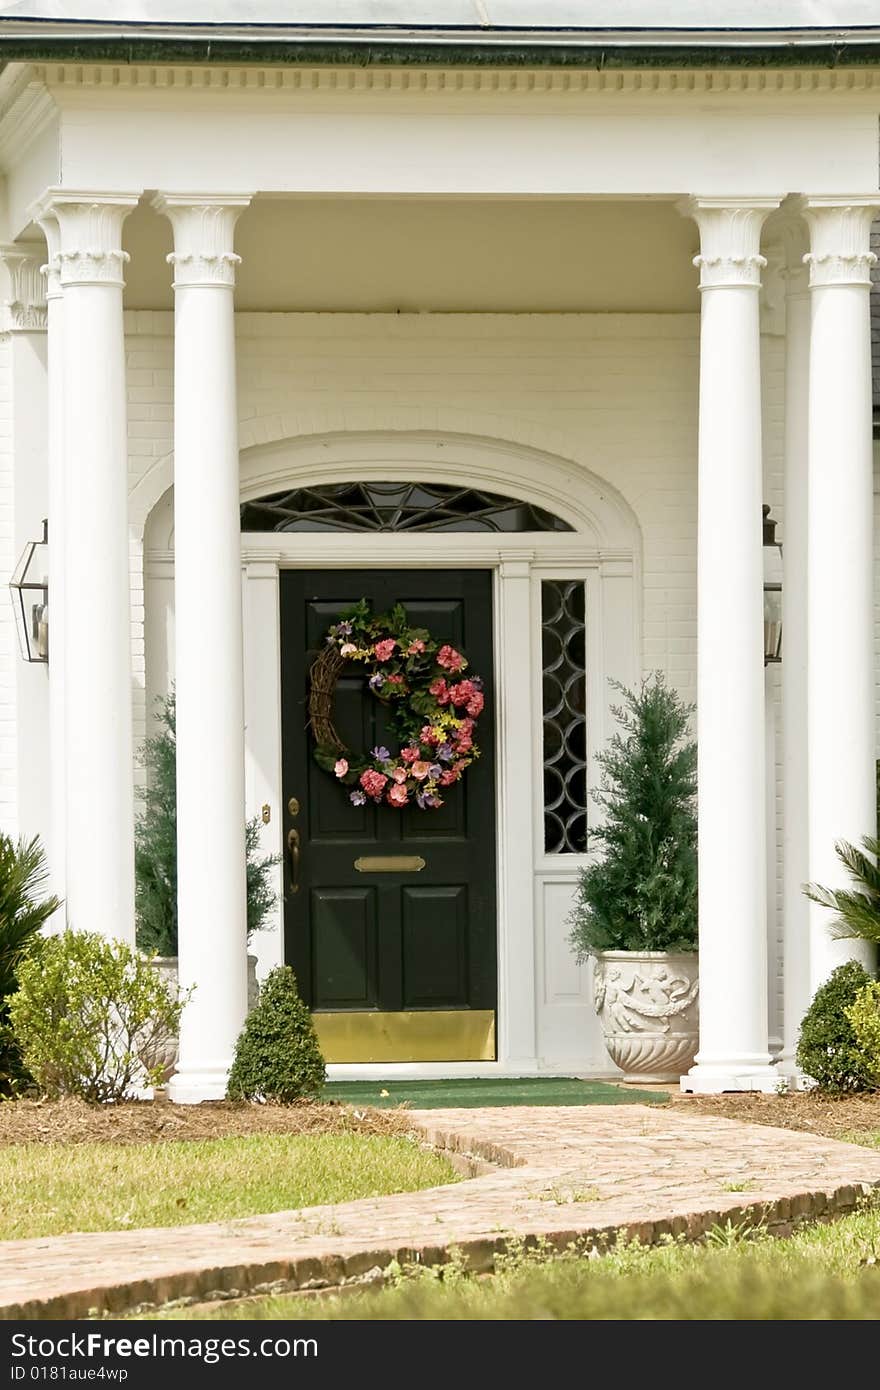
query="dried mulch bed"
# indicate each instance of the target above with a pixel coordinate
(73, 1122)
(834, 1117)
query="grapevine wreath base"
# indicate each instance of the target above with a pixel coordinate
(434, 709)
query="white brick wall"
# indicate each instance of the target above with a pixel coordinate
(8, 640)
(616, 393)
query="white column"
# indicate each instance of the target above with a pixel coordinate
(97, 614)
(208, 611)
(840, 600)
(733, 1053)
(57, 581)
(25, 324)
(795, 831)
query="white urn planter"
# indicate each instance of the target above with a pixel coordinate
(166, 966)
(647, 1002)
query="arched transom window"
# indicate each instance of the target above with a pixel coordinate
(395, 507)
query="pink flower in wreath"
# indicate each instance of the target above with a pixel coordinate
(459, 766)
(420, 770)
(461, 693)
(400, 774)
(385, 648)
(397, 795)
(429, 735)
(440, 690)
(396, 679)
(416, 647)
(341, 767)
(373, 783)
(448, 777)
(409, 755)
(347, 649)
(449, 658)
(475, 704)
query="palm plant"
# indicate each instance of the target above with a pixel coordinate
(23, 874)
(23, 912)
(857, 909)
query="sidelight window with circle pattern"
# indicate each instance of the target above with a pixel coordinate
(563, 649)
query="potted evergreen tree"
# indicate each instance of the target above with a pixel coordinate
(155, 861)
(635, 911)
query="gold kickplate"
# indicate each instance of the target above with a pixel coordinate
(423, 1035)
(389, 864)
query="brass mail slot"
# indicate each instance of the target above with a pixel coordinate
(389, 864)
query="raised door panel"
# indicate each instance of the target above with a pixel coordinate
(345, 948)
(435, 954)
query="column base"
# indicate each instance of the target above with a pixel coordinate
(193, 1087)
(714, 1078)
(790, 1072)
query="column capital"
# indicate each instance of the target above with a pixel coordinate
(204, 231)
(840, 240)
(730, 239)
(26, 305)
(48, 224)
(90, 227)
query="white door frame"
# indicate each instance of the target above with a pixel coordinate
(603, 550)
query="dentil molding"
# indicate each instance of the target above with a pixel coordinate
(204, 231)
(454, 80)
(26, 306)
(840, 240)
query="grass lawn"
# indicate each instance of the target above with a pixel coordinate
(822, 1272)
(50, 1189)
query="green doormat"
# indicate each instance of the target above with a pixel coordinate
(472, 1092)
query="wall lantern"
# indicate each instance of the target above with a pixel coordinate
(772, 590)
(29, 587)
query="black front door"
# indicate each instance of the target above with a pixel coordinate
(389, 915)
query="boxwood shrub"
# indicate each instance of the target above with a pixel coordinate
(277, 1057)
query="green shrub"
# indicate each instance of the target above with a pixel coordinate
(277, 1056)
(93, 1018)
(155, 849)
(642, 894)
(864, 1016)
(23, 912)
(828, 1049)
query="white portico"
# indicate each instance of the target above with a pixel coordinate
(632, 304)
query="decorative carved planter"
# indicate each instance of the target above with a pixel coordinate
(647, 1002)
(167, 969)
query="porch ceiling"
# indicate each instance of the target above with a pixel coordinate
(387, 255)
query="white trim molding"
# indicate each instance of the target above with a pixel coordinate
(545, 1015)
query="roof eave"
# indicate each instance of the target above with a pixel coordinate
(138, 44)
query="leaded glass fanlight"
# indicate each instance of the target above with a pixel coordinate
(395, 507)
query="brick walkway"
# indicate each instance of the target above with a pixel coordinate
(562, 1174)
